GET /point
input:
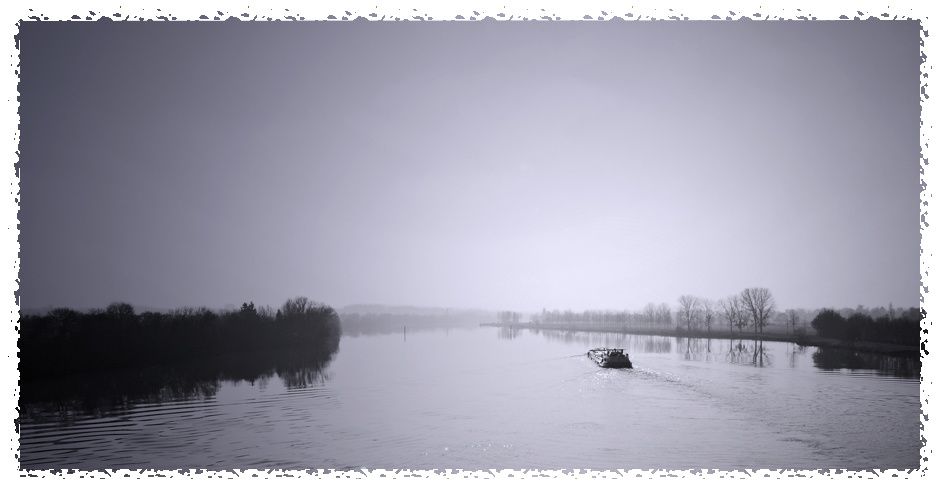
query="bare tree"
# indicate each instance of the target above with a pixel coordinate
(649, 313)
(708, 313)
(508, 317)
(688, 306)
(744, 319)
(664, 314)
(792, 318)
(731, 310)
(759, 303)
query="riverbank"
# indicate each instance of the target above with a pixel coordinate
(806, 339)
(64, 342)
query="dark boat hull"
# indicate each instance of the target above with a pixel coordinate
(616, 364)
(605, 359)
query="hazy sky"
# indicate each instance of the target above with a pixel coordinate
(496, 165)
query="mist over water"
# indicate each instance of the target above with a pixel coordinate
(481, 397)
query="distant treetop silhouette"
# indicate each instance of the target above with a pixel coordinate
(66, 341)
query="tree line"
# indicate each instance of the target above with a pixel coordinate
(751, 310)
(508, 316)
(653, 314)
(897, 327)
(355, 324)
(753, 307)
(65, 341)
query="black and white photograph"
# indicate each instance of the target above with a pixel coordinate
(605, 237)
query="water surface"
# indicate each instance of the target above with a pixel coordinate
(484, 397)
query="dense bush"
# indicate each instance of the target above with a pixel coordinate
(66, 341)
(903, 329)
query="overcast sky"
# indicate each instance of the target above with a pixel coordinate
(496, 165)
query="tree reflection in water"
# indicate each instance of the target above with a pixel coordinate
(748, 352)
(508, 333)
(794, 352)
(834, 358)
(760, 357)
(115, 391)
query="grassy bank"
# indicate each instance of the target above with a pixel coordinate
(804, 339)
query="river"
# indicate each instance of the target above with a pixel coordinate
(487, 397)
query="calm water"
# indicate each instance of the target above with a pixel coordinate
(485, 397)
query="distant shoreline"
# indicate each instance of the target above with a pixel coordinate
(809, 340)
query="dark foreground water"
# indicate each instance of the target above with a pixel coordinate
(482, 397)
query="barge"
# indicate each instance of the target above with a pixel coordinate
(610, 358)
